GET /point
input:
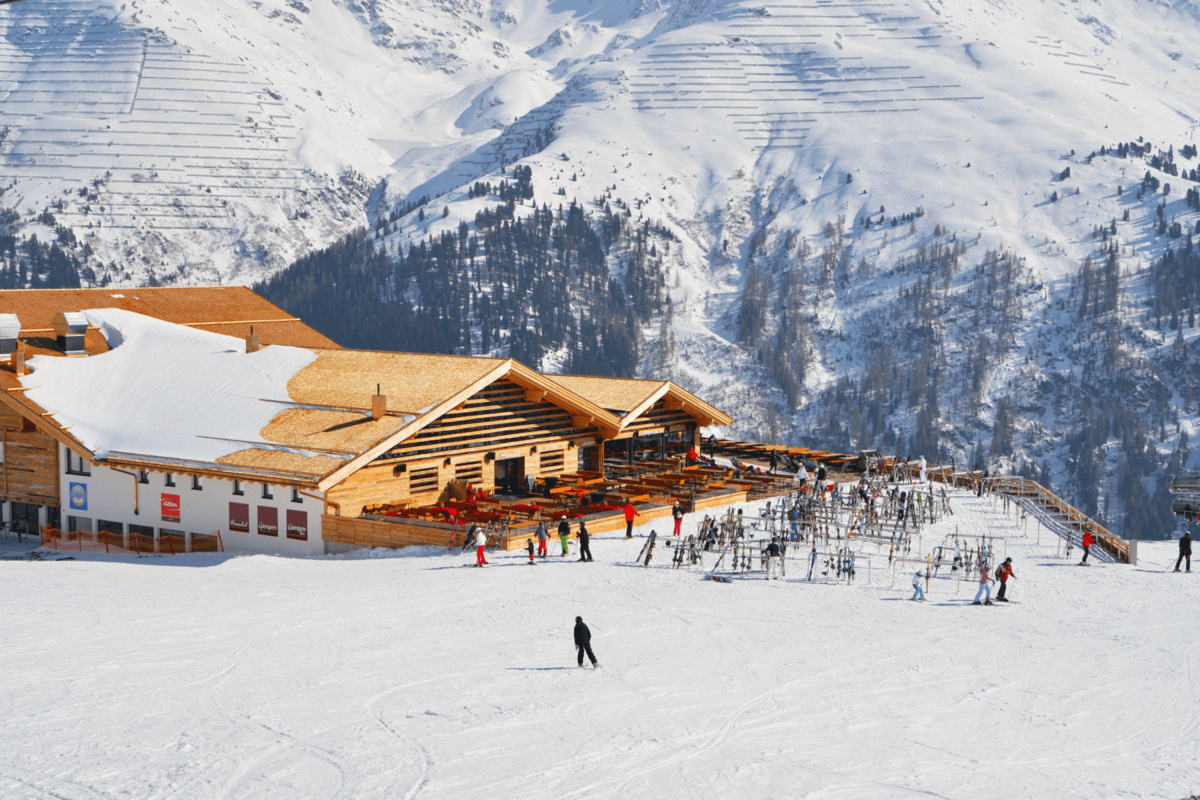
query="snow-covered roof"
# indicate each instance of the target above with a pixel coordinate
(165, 390)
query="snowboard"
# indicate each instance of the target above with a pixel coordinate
(720, 579)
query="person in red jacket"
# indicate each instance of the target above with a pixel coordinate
(630, 513)
(1087, 543)
(1004, 573)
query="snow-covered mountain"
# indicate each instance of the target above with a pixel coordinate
(839, 187)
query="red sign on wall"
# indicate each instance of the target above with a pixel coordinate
(297, 525)
(239, 517)
(268, 521)
(170, 508)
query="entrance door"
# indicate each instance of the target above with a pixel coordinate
(508, 475)
(25, 518)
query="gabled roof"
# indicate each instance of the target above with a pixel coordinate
(630, 398)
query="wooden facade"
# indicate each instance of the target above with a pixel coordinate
(30, 468)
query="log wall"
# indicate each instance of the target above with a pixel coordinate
(29, 473)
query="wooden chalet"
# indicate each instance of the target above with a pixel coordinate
(358, 439)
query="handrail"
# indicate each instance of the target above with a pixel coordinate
(1023, 487)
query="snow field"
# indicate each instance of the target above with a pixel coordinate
(370, 676)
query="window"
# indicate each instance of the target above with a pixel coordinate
(109, 526)
(79, 523)
(143, 476)
(296, 498)
(469, 472)
(267, 492)
(168, 480)
(237, 488)
(197, 486)
(76, 465)
(423, 480)
(552, 461)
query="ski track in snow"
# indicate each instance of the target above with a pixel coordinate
(263, 677)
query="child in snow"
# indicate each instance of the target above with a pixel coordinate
(541, 537)
(985, 587)
(677, 513)
(529, 547)
(918, 591)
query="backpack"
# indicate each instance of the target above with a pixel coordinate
(1000, 573)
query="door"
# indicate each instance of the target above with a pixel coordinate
(25, 518)
(508, 475)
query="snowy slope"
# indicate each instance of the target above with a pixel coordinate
(374, 677)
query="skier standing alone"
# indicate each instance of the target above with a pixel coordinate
(583, 643)
(677, 513)
(1185, 551)
(918, 591)
(1087, 544)
(1004, 573)
(774, 560)
(585, 549)
(480, 544)
(630, 513)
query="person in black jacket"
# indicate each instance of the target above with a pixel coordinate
(1185, 551)
(585, 550)
(564, 535)
(583, 642)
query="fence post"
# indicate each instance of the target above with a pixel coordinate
(1133, 552)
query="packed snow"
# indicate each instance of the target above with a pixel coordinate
(199, 395)
(385, 674)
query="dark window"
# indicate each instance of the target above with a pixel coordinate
(168, 480)
(267, 492)
(296, 498)
(79, 523)
(76, 465)
(143, 476)
(108, 526)
(237, 487)
(196, 484)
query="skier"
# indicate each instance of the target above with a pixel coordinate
(585, 550)
(677, 513)
(918, 590)
(564, 535)
(801, 478)
(1185, 551)
(1004, 572)
(1087, 544)
(480, 544)
(773, 559)
(630, 513)
(583, 643)
(541, 537)
(921, 468)
(529, 547)
(985, 588)
(821, 474)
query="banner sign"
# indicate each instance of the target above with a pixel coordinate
(170, 508)
(79, 496)
(297, 525)
(268, 521)
(239, 517)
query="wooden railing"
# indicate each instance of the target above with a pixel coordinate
(1071, 516)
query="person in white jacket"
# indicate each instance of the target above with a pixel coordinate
(480, 544)
(918, 590)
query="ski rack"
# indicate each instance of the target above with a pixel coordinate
(843, 563)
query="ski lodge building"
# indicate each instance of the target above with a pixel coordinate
(169, 419)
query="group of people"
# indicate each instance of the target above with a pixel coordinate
(983, 597)
(564, 538)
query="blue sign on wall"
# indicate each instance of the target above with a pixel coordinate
(79, 496)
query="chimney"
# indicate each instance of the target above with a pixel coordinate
(378, 404)
(16, 360)
(10, 331)
(252, 345)
(69, 328)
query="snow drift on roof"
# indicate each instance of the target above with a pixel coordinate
(164, 389)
